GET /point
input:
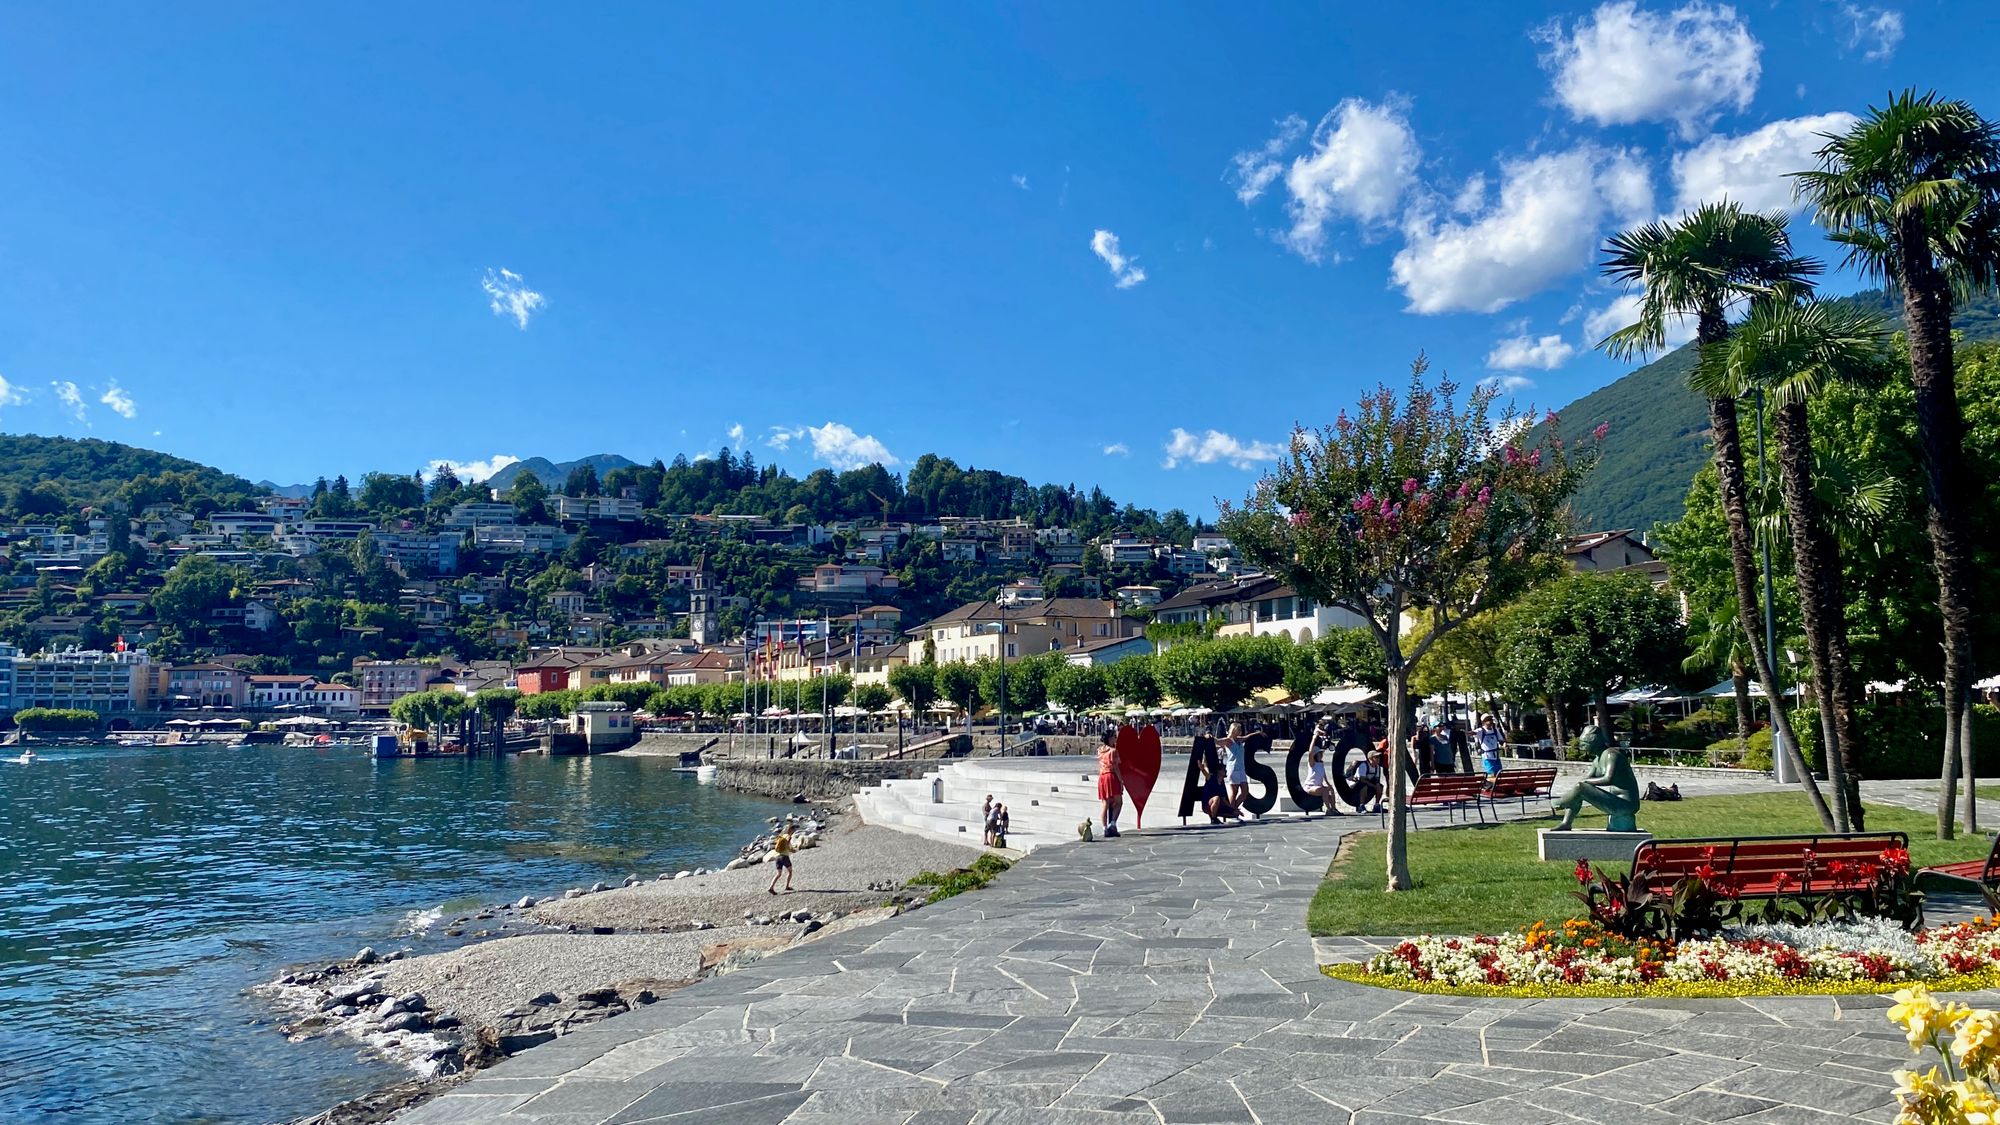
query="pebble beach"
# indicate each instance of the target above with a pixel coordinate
(538, 968)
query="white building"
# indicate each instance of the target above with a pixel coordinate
(89, 679)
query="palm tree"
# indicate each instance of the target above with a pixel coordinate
(1790, 351)
(1716, 640)
(1913, 190)
(1699, 265)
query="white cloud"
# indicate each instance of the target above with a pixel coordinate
(838, 445)
(1020, 181)
(1254, 169)
(1753, 168)
(1878, 30)
(1117, 449)
(1517, 352)
(11, 395)
(736, 435)
(1126, 270)
(1624, 310)
(1544, 225)
(1363, 160)
(120, 401)
(507, 295)
(71, 396)
(781, 437)
(1185, 448)
(1508, 384)
(472, 472)
(1621, 65)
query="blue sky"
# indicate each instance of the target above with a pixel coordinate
(1123, 245)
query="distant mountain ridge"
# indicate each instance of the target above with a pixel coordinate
(1659, 427)
(555, 473)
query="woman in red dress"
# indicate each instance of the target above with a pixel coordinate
(1109, 789)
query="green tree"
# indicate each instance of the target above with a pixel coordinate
(1221, 673)
(52, 720)
(1414, 506)
(196, 586)
(1697, 267)
(1079, 687)
(547, 706)
(916, 685)
(1587, 636)
(428, 711)
(530, 498)
(958, 682)
(1134, 682)
(1353, 656)
(495, 706)
(1913, 191)
(871, 697)
(390, 493)
(1792, 352)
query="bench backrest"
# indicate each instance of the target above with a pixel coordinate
(1767, 865)
(1514, 783)
(1448, 787)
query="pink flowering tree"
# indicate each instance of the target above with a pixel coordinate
(1414, 513)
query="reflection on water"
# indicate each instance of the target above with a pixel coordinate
(142, 889)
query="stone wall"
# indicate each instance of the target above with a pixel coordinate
(816, 779)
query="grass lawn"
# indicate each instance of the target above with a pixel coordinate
(1988, 793)
(1487, 879)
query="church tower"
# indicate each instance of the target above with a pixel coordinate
(703, 624)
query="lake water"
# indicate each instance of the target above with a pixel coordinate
(142, 890)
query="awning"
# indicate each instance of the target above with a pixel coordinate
(1728, 687)
(1345, 696)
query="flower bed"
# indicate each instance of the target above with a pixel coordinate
(1582, 958)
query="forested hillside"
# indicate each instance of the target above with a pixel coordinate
(1659, 428)
(47, 476)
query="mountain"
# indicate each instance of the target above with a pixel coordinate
(555, 473)
(1659, 427)
(90, 472)
(295, 491)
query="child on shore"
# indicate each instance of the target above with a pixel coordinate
(1110, 790)
(783, 846)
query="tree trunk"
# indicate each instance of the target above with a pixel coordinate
(1823, 612)
(1736, 511)
(1741, 681)
(1941, 439)
(1393, 767)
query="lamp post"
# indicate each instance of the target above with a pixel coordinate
(1000, 627)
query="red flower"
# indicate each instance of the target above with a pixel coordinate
(1582, 871)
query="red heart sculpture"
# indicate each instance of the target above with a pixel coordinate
(1139, 767)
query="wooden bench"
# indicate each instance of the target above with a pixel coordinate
(1522, 784)
(1453, 792)
(1983, 873)
(1767, 866)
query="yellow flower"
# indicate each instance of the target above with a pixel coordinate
(1975, 1101)
(1977, 1043)
(1920, 1016)
(1921, 1096)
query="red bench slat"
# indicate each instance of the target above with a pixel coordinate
(1765, 867)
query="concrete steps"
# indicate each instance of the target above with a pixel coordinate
(1046, 799)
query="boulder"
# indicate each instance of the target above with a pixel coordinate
(344, 1011)
(596, 887)
(544, 1000)
(631, 880)
(574, 893)
(596, 996)
(524, 902)
(367, 956)
(404, 1021)
(683, 875)
(412, 1001)
(388, 1007)
(444, 1020)
(644, 996)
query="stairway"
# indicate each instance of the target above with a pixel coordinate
(1046, 799)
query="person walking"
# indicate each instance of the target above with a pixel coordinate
(782, 845)
(1235, 767)
(1444, 755)
(1110, 791)
(1489, 740)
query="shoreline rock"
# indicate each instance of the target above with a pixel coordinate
(573, 959)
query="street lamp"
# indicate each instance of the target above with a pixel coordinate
(1000, 627)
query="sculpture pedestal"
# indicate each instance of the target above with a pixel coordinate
(1580, 844)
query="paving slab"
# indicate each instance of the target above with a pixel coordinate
(1167, 977)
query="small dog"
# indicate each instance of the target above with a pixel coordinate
(1083, 832)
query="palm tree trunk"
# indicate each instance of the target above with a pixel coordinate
(1740, 679)
(1728, 438)
(1822, 611)
(1940, 439)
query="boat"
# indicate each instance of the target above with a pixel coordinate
(27, 755)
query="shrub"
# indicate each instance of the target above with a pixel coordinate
(55, 719)
(961, 879)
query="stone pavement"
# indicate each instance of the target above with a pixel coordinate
(1168, 977)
